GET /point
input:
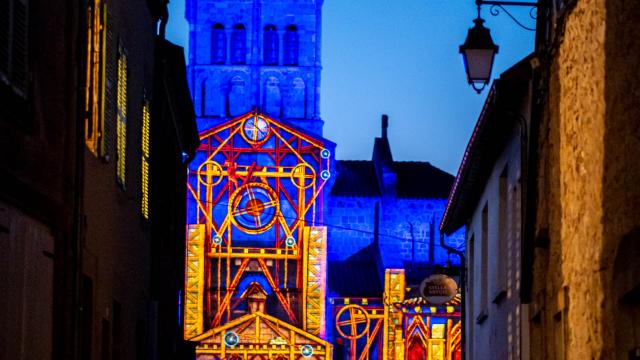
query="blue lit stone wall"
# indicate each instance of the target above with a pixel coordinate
(226, 82)
(351, 226)
(351, 222)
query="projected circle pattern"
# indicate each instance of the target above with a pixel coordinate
(352, 322)
(255, 130)
(253, 208)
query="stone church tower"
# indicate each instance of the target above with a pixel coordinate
(256, 54)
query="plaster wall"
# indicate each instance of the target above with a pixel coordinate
(493, 324)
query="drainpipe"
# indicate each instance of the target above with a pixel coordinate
(463, 267)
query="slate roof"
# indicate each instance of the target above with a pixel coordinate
(356, 178)
(415, 180)
(421, 180)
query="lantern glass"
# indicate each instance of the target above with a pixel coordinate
(478, 52)
(478, 64)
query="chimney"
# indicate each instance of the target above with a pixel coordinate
(385, 125)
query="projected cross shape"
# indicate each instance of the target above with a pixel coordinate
(352, 322)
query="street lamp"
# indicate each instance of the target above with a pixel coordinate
(478, 52)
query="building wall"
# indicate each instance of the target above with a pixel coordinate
(495, 315)
(223, 90)
(351, 225)
(116, 251)
(37, 167)
(26, 264)
(588, 189)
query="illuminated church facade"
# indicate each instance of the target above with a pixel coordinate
(292, 254)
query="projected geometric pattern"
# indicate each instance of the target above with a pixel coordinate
(255, 187)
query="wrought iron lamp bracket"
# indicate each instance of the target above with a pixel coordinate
(497, 6)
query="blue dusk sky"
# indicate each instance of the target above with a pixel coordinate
(400, 57)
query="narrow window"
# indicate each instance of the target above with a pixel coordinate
(94, 86)
(500, 251)
(239, 44)
(121, 127)
(146, 119)
(218, 44)
(291, 45)
(270, 45)
(484, 260)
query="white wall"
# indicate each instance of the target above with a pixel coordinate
(493, 307)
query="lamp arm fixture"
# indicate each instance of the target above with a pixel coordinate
(497, 5)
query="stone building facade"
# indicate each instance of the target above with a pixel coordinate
(261, 55)
(585, 301)
(396, 205)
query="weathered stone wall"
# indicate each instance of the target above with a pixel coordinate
(351, 226)
(588, 183)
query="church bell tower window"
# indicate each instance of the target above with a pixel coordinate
(239, 44)
(218, 44)
(270, 45)
(291, 45)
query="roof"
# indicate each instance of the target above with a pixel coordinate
(501, 111)
(356, 178)
(422, 180)
(246, 327)
(415, 180)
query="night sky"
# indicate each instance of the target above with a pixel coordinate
(400, 57)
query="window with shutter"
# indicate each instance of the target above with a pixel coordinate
(95, 71)
(121, 123)
(111, 93)
(14, 44)
(146, 153)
